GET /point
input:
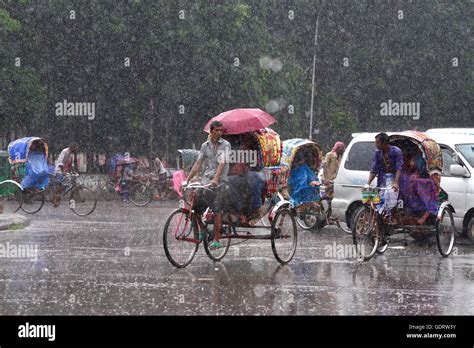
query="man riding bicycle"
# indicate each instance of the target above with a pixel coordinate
(212, 154)
(64, 165)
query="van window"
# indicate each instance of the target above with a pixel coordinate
(448, 159)
(467, 151)
(360, 156)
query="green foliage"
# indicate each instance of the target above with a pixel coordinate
(184, 70)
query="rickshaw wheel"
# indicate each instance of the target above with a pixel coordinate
(141, 194)
(179, 252)
(364, 233)
(311, 218)
(284, 235)
(445, 232)
(82, 201)
(12, 197)
(32, 203)
(218, 254)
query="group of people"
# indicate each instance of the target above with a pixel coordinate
(245, 185)
(242, 186)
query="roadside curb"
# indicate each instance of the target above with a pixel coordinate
(13, 222)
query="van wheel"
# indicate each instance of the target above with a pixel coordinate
(470, 230)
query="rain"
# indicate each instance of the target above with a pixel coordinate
(108, 144)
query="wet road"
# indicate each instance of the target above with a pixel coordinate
(113, 263)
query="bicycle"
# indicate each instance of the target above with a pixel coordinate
(82, 200)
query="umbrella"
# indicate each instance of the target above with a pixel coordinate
(239, 121)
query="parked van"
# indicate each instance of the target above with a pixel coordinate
(457, 145)
(457, 177)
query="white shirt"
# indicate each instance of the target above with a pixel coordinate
(62, 159)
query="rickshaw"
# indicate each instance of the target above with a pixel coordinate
(420, 193)
(311, 215)
(30, 170)
(180, 236)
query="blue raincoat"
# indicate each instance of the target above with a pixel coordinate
(299, 183)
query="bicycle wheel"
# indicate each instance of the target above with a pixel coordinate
(12, 197)
(445, 232)
(107, 191)
(180, 237)
(311, 218)
(219, 253)
(364, 232)
(82, 200)
(141, 194)
(284, 235)
(32, 202)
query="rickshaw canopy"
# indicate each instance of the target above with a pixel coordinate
(429, 148)
(188, 157)
(18, 149)
(291, 147)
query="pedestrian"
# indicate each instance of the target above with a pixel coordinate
(331, 164)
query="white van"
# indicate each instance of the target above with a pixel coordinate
(457, 146)
(457, 179)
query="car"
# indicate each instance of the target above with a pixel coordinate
(457, 146)
(457, 176)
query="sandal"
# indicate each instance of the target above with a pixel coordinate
(214, 245)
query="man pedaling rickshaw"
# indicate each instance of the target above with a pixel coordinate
(212, 154)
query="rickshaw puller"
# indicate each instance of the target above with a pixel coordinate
(215, 173)
(387, 165)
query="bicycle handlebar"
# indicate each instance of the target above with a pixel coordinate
(368, 187)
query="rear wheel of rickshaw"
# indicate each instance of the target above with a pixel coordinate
(284, 235)
(445, 232)
(12, 197)
(32, 201)
(82, 200)
(219, 253)
(364, 232)
(180, 237)
(311, 218)
(141, 194)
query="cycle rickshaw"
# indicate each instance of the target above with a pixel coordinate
(309, 215)
(420, 193)
(30, 170)
(180, 236)
(28, 173)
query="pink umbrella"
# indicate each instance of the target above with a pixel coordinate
(239, 121)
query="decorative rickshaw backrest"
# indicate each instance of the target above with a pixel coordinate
(270, 147)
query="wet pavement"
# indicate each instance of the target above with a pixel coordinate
(112, 262)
